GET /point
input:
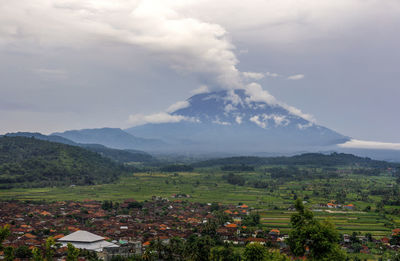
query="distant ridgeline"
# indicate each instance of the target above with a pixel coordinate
(30, 162)
(312, 159)
(119, 155)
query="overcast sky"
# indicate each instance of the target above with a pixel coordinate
(72, 64)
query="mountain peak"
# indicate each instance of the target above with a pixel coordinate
(240, 106)
(240, 120)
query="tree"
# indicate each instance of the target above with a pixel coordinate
(277, 256)
(317, 240)
(37, 254)
(176, 249)
(4, 233)
(255, 252)
(23, 252)
(49, 248)
(224, 253)
(198, 248)
(251, 220)
(72, 252)
(9, 253)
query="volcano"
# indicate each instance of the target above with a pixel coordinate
(238, 121)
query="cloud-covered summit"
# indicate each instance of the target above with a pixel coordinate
(241, 120)
(236, 104)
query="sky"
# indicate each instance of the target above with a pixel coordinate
(73, 64)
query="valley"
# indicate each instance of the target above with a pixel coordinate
(359, 196)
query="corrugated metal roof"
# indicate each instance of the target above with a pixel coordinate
(81, 236)
(95, 246)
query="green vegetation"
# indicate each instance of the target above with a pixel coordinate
(121, 156)
(271, 200)
(315, 159)
(29, 162)
(177, 168)
(4, 233)
(312, 238)
(365, 194)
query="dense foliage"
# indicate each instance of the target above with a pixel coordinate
(177, 168)
(122, 156)
(31, 162)
(312, 238)
(315, 159)
(237, 168)
(233, 179)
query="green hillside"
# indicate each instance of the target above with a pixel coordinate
(29, 162)
(307, 159)
(121, 156)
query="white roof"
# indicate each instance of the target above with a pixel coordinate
(81, 236)
(94, 246)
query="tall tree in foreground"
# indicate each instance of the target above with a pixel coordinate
(49, 248)
(312, 238)
(72, 253)
(4, 233)
(255, 252)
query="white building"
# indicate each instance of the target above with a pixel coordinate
(85, 240)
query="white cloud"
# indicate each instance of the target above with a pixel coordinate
(256, 120)
(238, 120)
(218, 121)
(183, 42)
(229, 107)
(296, 77)
(253, 75)
(297, 112)
(234, 98)
(362, 144)
(162, 117)
(280, 120)
(200, 90)
(304, 126)
(257, 94)
(178, 105)
(262, 120)
(271, 74)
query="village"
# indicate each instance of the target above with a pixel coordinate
(128, 228)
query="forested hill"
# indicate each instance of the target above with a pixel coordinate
(314, 159)
(122, 156)
(31, 162)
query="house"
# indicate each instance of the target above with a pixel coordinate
(349, 206)
(331, 205)
(274, 232)
(85, 240)
(395, 231)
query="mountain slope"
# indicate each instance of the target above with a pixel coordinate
(36, 163)
(122, 156)
(239, 121)
(109, 137)
(39, 136)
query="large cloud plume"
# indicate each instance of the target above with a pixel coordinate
(164, 29)
(184, 43)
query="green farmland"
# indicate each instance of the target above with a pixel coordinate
(272, 203)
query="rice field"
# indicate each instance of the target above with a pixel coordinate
(210, 187)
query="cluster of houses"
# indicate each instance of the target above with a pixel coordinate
(332, 204)
(129, 227)
(122, 228)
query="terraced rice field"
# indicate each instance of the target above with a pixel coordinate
(346, 223)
